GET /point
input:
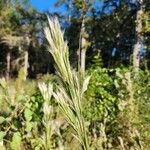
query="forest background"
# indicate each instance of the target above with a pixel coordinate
(94, 93)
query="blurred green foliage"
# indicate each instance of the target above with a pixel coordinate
(106, 109)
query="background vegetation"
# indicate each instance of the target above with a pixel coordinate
(87, 88)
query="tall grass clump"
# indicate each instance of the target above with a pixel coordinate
(71, 84)
(46, 91)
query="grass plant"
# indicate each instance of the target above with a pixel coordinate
(71, 84)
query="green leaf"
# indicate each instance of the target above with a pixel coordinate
(2, 119)
(28, 114)
(29, 126)
(16, 141)
(2, 134)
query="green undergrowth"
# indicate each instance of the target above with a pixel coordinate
(107, 112)
(103, 109)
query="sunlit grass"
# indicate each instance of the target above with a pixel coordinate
(71, 85)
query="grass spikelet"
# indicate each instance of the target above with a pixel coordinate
(71, 85)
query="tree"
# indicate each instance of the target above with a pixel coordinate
(22, 29)
(110, 30)
(6, 12)
(139, 38)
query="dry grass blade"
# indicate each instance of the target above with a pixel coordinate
(71, 86)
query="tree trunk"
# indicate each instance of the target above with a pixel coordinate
(82, 40)
(26, 57)
(83, 46)
(138, 41)
(25, 64)
(8, 65)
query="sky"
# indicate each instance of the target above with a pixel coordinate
(48, 5)
(45, 5)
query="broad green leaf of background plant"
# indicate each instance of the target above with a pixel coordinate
(28, 114)
(2, 134)
(2, 119)
(16, 141)
(29, 126)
